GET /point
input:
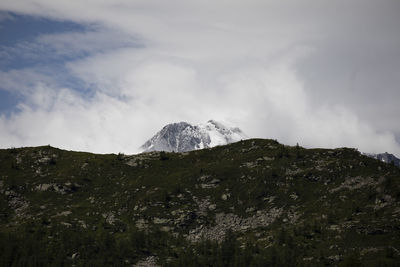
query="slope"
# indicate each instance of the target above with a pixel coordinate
(254, 202)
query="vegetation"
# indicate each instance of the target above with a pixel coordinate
(251, 203)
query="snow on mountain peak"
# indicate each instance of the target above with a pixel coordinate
(182, 136)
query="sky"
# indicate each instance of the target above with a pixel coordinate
(104, 76)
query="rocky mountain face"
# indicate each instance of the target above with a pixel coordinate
(386, 157)
(182, 137)
(250, 203)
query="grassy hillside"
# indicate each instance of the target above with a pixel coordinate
(251, 203)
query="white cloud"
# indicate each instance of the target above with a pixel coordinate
(154, 62)
(23, 81)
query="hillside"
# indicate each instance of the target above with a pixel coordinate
(250, 203)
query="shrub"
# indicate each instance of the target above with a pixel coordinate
(163, 155)
(120, 156)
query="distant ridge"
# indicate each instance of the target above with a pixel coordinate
(182, 136)
(385, 157)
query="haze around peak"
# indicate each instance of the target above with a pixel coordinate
(105, 76)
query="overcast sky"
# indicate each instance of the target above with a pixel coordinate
(104, 76)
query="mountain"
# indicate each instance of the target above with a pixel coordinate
(182, 137)
(251, 203)
(386, 157)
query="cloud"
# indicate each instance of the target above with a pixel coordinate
(66, 46)
(23, 81)
(277, 70)
(5, 16)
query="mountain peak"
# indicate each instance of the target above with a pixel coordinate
(385, 157)
(182, 136)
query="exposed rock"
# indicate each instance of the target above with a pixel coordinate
(64, 213)
(110, 217)
(183, 137)
(225, 196)
(62, 189)
(132, 163)
(212, 207)
(224, 222)
(249, 164)
(211, 184)
(353, 183)
(141, 224)
(160, 220)
(66, 224)
(84, 165)
(44, 187)
(202, 205)
(83, 224)
(17, 203)
(294, 196)
(150, 261)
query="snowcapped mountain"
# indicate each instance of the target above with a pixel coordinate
(385, 157)
(182, 136)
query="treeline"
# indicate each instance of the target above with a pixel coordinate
(45, 247)
(231, 252)
(70, 247)
(38, 245)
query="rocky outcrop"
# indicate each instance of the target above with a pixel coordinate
(233, 222)
(182, 136)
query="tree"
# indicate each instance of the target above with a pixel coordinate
(163, 155)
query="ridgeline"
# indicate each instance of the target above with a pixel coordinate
(250, 203)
